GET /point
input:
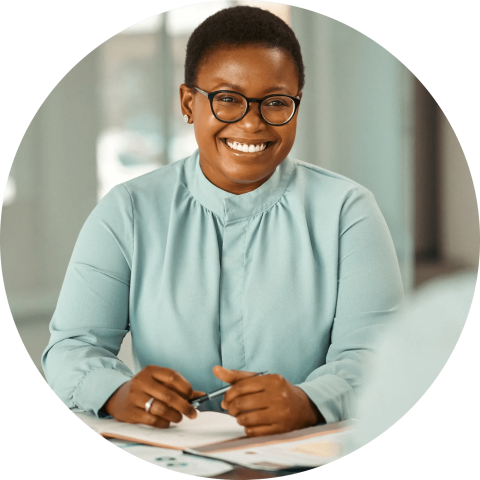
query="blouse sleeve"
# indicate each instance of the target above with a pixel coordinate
(88, 327)
(369, 290)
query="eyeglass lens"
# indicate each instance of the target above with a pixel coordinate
(230, 107)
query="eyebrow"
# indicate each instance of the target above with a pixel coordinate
(231, 86)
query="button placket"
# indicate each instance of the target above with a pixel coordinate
(232, 293)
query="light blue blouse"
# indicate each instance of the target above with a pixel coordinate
(297, 277)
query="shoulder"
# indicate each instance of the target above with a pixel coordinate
(153, 190)
(162, 179)
(320, 182)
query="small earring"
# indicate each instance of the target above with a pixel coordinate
(185, 117)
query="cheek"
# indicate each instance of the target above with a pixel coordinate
(288, 138)
(204, 123)
(291, 130)
(206, 131)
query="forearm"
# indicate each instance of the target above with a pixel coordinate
(82, 375)
(334, 387)
(332, 396)
(92, 314)
(369, 290)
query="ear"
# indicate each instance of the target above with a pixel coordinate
(186, 102)
(300, 97)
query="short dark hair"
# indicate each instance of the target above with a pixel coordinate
(241, 25)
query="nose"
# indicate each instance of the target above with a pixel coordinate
(252, 121)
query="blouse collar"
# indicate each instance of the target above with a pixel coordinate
(228, 206)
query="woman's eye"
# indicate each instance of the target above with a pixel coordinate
(276, 103)
(228, 99)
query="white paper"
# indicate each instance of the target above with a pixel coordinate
(212, 427)
(206, 429)
(321, 449)
(169, 459)
(174, 459)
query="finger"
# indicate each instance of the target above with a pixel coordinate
(230, 376)
(245, 403)
(170, 398)
(172, 379)
(162, 410)
(257, 418)
(245, 387)
(196, 394)
(150, 419)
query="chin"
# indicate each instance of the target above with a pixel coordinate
(244, 180)
(244, 175)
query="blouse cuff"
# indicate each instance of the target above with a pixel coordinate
(332, 395)
(96, 388)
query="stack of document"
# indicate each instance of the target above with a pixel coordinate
(217, 436)
(163, 447)
(309, 447)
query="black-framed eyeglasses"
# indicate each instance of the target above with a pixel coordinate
(230, 107)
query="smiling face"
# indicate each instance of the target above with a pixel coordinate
(255, 71)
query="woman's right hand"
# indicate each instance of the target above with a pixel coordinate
(169, 389)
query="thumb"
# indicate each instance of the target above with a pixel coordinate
(196, 394)
(230, 376)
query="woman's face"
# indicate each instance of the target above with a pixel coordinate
(256, 72)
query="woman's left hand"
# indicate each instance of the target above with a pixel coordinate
(266, 404)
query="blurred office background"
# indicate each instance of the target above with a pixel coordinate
(116, 115)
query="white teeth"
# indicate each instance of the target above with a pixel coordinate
(243, 147)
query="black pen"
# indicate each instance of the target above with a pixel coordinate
(216, 393)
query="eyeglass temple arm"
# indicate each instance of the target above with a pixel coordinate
(201, 91)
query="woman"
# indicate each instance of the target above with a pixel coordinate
(237, 259)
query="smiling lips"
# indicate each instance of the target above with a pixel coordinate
(246, 148)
